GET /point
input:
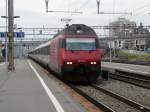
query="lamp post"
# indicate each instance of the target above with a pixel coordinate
(10, 35)
(98, 4)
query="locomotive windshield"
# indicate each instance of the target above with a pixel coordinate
(86, 44)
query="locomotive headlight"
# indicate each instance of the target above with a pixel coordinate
(69, 63)
(93, 63)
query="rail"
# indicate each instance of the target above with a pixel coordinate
(133, 78)
(134, 104)
(96, 103)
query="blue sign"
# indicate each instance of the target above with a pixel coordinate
(2, 34)
(19, 34)
(16, 34)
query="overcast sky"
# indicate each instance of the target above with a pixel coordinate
(33, 13)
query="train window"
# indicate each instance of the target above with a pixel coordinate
(44, 50)
(97, 44)
(39, 51)
(47, 50)
(86, 44)
(62, 43)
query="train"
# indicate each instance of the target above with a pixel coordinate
(73, 54)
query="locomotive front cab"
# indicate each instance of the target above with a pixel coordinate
(81, 55)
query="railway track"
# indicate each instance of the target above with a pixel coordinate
(129, 62)
(132, 103)
(136, 79)
(108, 101)
(100, 105)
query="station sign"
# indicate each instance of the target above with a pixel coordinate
(16, 34)
(19, 34)
(2, 34)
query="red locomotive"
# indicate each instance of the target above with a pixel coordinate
(73, 54)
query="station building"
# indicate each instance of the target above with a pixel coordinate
(126, 34)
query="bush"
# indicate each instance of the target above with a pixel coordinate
(134, 56)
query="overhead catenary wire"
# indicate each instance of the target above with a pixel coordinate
(58, 3)
(81, 7)
(84, 4)
(141, 9)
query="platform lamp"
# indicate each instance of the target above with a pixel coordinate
(98, 4)
(46, 2)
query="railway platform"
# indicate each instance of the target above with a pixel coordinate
(137, 69)
(1, 63)
(29, 89)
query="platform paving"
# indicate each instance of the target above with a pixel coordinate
(139, 69)
(1, 63)
(24, 91)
